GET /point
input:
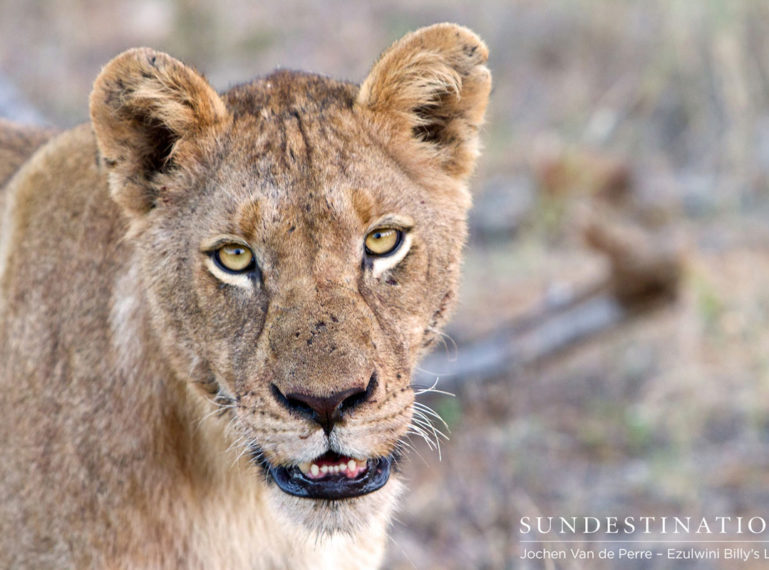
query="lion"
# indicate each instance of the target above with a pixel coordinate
(211, 305)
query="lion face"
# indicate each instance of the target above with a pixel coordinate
(299, 240)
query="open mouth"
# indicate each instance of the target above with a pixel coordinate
(332, 476)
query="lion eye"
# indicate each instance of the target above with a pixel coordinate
(383, 241)
(234, 258)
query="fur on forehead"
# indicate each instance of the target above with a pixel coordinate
(421, 105)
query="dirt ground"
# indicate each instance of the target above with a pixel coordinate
(650, 114)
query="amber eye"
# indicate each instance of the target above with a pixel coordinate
(383, 241)
(234, 258)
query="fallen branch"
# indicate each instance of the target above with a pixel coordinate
(544, 333)
(645, 270)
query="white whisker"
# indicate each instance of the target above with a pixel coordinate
(422, 424)
(445, 339)
(219, 409)
(419, 391)
(406, 446)
(425, 409)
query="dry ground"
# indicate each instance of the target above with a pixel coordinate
(666, 415)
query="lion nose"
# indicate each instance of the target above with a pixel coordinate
(326, 410)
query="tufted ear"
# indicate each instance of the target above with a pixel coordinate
(150, 113)
(430, 89)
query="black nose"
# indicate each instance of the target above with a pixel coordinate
(325, 410)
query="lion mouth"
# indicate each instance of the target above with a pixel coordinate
(332, 476)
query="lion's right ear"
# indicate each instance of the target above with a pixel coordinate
(150, 113)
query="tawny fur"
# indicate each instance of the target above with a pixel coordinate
(136, 382)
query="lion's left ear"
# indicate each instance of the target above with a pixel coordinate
(430, 91)
(150, 113)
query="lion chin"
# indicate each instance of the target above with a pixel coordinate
(326, 518)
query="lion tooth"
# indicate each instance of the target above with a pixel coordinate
(351, 468)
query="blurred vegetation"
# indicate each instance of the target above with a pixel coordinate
(648, 114)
